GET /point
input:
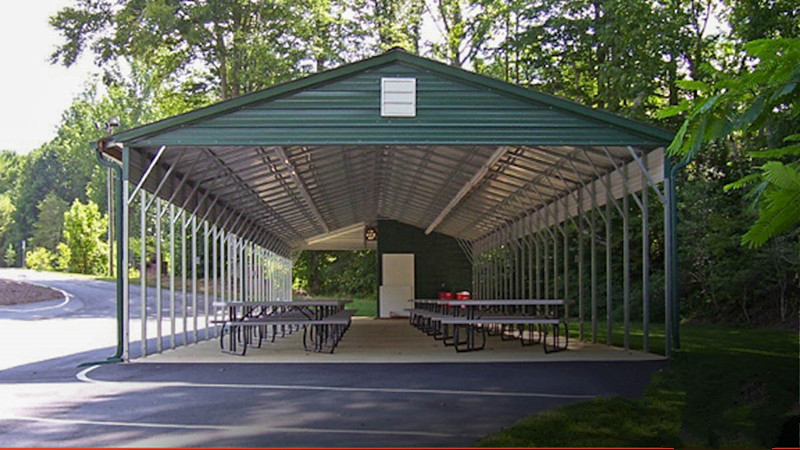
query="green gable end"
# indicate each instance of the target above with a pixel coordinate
(452, 109)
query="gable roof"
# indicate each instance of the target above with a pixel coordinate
(627, 132)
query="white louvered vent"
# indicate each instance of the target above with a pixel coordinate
(398, 97)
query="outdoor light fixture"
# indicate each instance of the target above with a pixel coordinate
(109, 126)
(370, 234)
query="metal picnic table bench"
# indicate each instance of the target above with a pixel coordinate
(446, 320)
(324, 323)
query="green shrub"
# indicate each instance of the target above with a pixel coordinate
(10, 258)
(40, 258)
(84, 227)
(64, 257)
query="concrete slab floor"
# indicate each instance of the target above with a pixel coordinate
(392, 341)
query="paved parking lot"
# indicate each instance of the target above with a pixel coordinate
(50, 402)
(298, 404)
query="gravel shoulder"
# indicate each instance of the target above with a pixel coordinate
(18, 293)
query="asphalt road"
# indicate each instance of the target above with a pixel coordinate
(45, 400)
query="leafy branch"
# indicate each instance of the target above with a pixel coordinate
(752, 102)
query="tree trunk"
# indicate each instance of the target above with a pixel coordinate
(600, 57)
(314, 276)
(223, 68)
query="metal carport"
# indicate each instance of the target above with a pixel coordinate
(526, 182)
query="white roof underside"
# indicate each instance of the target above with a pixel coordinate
(325, 190)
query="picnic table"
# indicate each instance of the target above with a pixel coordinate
(249, 323)
(460, 323)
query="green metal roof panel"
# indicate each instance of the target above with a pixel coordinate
(342, 107)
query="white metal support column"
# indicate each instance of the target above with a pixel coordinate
(193, 225)
(205, 280)
(143, 268)
(185, 310)
(172, 261)
(159, 299)
(126, 294)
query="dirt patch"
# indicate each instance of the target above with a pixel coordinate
(17, 293)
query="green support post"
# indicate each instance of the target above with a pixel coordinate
(117, 357)
(676, 299)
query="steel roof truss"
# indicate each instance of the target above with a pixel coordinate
(235, 179)
(476, 178)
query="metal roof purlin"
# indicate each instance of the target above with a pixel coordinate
(348, 171)
(301, 187)
(278, 217)
(504, 202)
(476, 178)
(283, 187)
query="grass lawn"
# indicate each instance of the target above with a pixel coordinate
(365, 306)
(725, 388)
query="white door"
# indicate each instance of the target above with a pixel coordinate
(398, 284)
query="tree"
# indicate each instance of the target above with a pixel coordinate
(331, 32)
(620, 55)
(10, 258)
(337, 273)
(47, 229)
(756, 19)
(9, 168)
(464, 28)
(758, 107)
(395, 23)
(84, 226)
(721, 280)
(236, 46)
(6, 214)
(42, 172)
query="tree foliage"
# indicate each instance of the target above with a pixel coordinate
(84, 227)
(10, 256)
(7, 209)
(621, 55)
(10, 163)
(47, 229)
(759, 105)
(40, 258)
(722, 280)
(329, 273)
(396, 23)
(230, 47)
